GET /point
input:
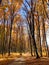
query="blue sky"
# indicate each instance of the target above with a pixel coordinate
(22, 12)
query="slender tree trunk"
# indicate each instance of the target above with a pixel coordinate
(30, 41)
(3, 44)
(39, 36)
(44, 36)
(33, 29)
(12, 18)
(7, 32)
(10, 37)
(31, 45)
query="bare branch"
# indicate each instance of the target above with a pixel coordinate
(27, 3)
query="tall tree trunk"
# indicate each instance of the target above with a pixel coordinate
(31, 45)
(32, 29)
(30, 41)
(12, 18)
(44, 36)
(6, 38)
(39, 36)
(3, 44)
(10, 36)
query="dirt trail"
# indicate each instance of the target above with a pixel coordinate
(30, 61)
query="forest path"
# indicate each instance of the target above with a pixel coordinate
(30, 61)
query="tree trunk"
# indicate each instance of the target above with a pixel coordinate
(32, 29)
(10, 37)
(39, 36)
(44, 36)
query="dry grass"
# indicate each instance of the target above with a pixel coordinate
(6, 61)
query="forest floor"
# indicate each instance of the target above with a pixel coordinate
(5, 61)
(23, 60)
(30, 61)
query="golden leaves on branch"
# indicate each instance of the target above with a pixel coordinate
(15, 5)
(17, 18)
(40, 8)
(18, 4)
(41, 0)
